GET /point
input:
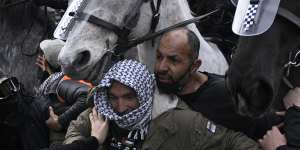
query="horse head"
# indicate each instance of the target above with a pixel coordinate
(263, 63)
(87, 43)
(95, 32)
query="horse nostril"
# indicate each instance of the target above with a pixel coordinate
(82, 59)
(261, 96)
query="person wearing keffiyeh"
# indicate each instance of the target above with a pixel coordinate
(128, 115)
(127, 83)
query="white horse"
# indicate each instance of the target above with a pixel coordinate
(87, 43)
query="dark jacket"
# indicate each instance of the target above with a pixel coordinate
(89, 143)
(75, 96)
(292, 129)
(176, 129)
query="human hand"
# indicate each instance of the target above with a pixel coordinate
(52, 121)
(43, 64)
(99, 126)
(273, 139)
(292, 98)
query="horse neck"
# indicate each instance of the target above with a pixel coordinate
(171, 12)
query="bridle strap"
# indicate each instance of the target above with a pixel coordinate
(124, 43)
(149, 36)
(287, 82)
(292, 63)
(98, 21)
(289, 16)
(155, 17)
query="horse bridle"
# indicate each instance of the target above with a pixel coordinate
(294, 61)
(123, 31)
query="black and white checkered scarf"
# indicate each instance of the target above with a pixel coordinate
(136, 76)
(50, 84)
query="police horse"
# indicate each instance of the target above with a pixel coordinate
(265, 66)
(23, 24)
(22, 27)
(100, 29)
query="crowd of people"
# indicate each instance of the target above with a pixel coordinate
(124, 111)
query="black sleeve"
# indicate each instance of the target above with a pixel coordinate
(292, 126)
(70, 90)
(74, 95)
(71, 114)
(91, 143)
(285, 147)
(263, 124)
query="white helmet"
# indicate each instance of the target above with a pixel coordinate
(254, 17)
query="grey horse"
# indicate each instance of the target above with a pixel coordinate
(86, 45)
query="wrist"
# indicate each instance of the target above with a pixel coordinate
(98, 139)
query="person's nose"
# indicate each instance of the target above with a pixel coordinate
(163, 66)
(121, 106)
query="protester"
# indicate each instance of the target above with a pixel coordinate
(124, 98)
(48, 61)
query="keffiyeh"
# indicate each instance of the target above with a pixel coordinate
(50, 84)
(136, 76)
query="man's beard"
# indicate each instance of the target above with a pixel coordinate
(175, 87)
(169, 88)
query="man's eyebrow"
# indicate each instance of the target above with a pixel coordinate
(173, 56)
(129, 94)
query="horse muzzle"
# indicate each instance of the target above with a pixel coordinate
(251, 98)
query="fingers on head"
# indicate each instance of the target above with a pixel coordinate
(275, 128)
(51, 109)
(94, 112)
(91, 117)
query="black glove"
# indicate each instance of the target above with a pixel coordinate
(70, 90)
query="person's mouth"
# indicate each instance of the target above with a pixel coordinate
(164, 79)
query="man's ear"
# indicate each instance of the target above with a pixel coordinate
(197, 63)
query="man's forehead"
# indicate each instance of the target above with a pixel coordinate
(118, 87)
(176, 36)
(176, 40)
(173, 49)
